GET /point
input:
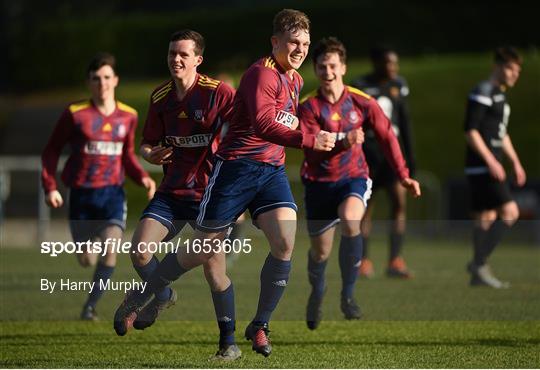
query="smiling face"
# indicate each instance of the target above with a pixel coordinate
(290, 48)
(182, 59)
(330, 70)
(507, 74)
(102, 83)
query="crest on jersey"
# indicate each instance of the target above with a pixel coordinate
(182, 115)
(107, 127)
(353, 116)
(394, 91)
(198, 115)
(121, 130)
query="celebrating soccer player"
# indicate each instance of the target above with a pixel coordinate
(390, 91)
(181, 133)
(337, 183)
(486, 124)
(249, 174)
(100, 132)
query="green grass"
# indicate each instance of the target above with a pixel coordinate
(434, 320)
(335, 345)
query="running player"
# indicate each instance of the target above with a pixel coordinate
(249, 174)
(337, 184)
(391, 91)
(100, 132)
(486, 125)
(181, 133)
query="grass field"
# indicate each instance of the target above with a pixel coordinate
(434, 320)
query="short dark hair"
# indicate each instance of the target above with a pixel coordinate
(99, 60)
(290, 20)
(330, 45)
(377, 53)
(507, 54)
(194, 36)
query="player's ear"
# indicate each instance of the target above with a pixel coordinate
(274, 41)
(199, 60)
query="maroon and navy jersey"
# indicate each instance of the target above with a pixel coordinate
(191, 126)
(101, 147)
(264, 107)
(353, 110)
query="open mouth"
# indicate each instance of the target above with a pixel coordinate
(296, 58)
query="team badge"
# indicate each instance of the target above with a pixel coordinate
(394, 92)
(198, 115)
(353, 116)
(121, 130)
(182, 115)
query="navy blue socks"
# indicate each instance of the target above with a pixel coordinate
(274, 278)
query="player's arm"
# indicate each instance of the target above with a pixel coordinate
(476, 110)
(389, 144)
(225, 102)
(510, 152)
(405, 128)
(153, 133)
(49, 158)
(309, 125)
(131, 163)
(269, 124)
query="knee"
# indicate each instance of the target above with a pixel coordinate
(282, 247)
(140, 259)
(510, 214)
(399, 212)
(486, 219)
(109, 259)
(87, 260)
(319, 255)
(216, 277)
(350, 228)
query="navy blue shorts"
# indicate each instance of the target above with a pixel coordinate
(242, 184)
(322, 200)
(91, 210)
(171, 212)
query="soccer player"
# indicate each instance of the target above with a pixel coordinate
(181, 133)
(486, 124)
(337, 183)
(249, 174)
(100, 132)
(391, 91)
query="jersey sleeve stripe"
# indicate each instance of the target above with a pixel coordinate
(73, 108)
(358, 92)
(208, 84)
(168, 85)
(482, 99)
(309, 95)
(126, 108)
(161, 95)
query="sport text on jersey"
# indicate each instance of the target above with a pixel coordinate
(192, 141)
